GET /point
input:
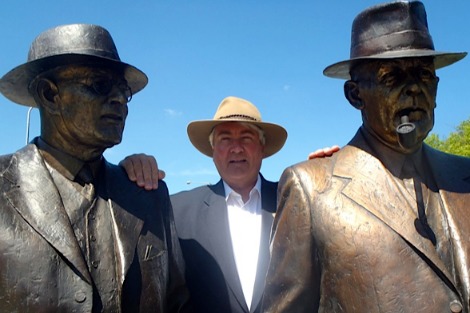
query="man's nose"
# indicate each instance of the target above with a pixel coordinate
(412, 88)
(236, 146)
(118, 95)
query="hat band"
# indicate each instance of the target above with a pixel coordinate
(35, 55)
(394, 42)
(241, 116)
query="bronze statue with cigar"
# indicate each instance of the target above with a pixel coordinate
(383, 225)
(75, 234)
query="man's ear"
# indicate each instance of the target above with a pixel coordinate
(351, 92)
(46, 95)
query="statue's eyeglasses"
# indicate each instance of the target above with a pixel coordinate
(103, 86)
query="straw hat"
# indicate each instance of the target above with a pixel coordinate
(233, 109)
(66, 45)
(388, 31)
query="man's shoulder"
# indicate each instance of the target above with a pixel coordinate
(267, 186)
(314, 165)
(191, 206)
(119, 172)
(446, 157)
(321, 171)
(120, 187)
(193, 196)
(5, 160)
(267, 182)
(449, 169)
(24, 155)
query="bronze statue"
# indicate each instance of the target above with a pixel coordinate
(383, 225)
(75, 234)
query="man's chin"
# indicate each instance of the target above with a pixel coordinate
(106, 143)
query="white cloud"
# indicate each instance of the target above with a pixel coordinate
(171, 112)
(286, 87)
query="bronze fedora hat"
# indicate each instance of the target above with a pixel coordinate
(388, 31)
(233, 109)
(66, 45)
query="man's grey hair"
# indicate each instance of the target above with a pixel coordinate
(262, 137)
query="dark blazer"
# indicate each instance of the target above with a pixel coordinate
(42, 268)
(211, 273)
(345, 238)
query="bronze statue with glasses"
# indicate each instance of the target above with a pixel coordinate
(75, 234)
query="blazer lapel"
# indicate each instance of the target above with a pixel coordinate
(389, 203)
(216, 217)
(35, 197)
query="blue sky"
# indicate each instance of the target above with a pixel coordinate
(196, 52)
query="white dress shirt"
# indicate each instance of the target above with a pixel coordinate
(245, 230)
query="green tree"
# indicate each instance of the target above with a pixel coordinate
(457, 142)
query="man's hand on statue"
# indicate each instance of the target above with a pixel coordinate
(143, 170)
(323, 153)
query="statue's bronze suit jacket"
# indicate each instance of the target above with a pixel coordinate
(344, 239)
(41, 264)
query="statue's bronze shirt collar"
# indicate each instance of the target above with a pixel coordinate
(394, 161)
(64, 163)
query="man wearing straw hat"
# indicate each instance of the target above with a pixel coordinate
(224, 228)
(383, 225)
(75, 234)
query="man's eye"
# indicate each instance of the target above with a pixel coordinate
(426, 74)
(388, 79)
(102, 87)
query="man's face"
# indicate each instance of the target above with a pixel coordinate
(92, 105)
(390, 89)
(237, 154)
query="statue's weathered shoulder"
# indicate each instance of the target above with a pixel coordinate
(5, 161)
(312, 174)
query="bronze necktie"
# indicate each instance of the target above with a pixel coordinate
(85, 178)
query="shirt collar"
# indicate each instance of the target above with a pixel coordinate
(391, 159)
(228, 190)
(64, 163)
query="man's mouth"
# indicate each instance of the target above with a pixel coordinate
(237, 161)
(112, 117)
(414, 115)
